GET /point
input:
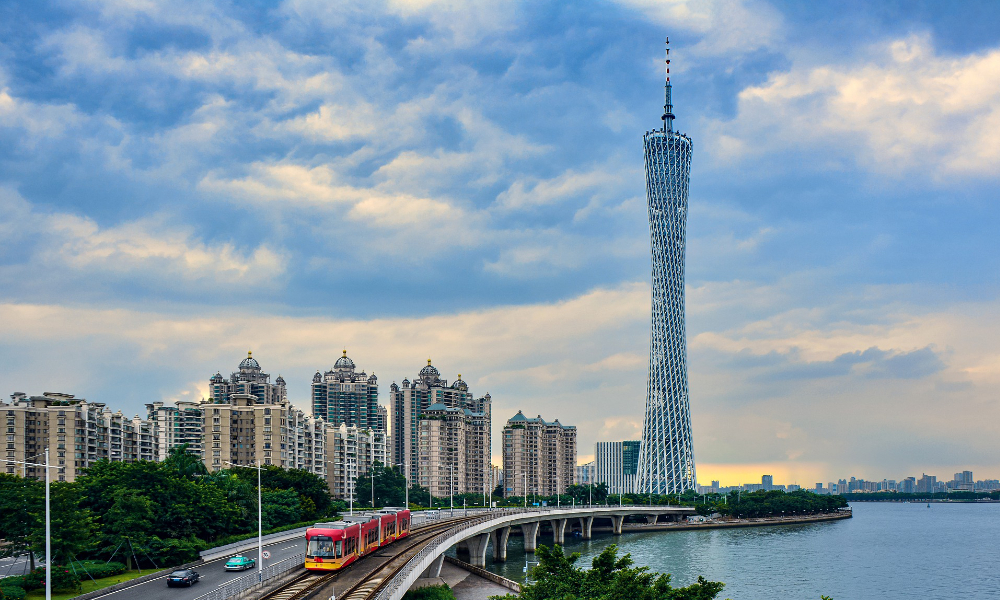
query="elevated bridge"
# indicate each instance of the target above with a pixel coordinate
(478, 532)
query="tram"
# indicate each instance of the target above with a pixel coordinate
(332, 546)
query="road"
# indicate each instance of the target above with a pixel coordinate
(212, 574)
(16, 566)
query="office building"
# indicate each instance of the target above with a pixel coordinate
(767, 482)
(351, 451)
(411, 400)
(539, 457)
(453, 451)
(666, 464)
(248, 379)
(616, 464)
(345, 395)
(584, 474)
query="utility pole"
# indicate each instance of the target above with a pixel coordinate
(49, 563)
(260, 520)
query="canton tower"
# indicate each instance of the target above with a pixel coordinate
(666, 455)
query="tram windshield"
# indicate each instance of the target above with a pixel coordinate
(324, 546)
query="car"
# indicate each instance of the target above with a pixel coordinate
(240, 563)
(182, 577)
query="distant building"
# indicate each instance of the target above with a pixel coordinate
(927, 484)
(248, 379)
(908, 485)
(453, 453)
(175, 426)
(539, 457)
(767, 482)
(616, 464)
(344, 395)
(351, 452)
(584, 474)
(76, 432)
(409, 401)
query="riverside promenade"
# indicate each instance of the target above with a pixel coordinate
(732, 523)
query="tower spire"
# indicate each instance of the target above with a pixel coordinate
(668, 106)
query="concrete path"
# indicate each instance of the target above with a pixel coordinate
(465, 585)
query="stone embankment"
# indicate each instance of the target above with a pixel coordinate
(730, 523)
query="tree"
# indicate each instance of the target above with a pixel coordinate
(610, 578)
(280, 507)
(72, 525)
(21, 513)
(389, 490)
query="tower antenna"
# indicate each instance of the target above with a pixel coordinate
(668, 107)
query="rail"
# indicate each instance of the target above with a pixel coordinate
(254, 580)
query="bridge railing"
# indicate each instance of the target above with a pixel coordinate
(255, 579)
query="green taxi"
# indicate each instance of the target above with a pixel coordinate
(240, 563)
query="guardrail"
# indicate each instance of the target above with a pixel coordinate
(254, 580)
(247, 544)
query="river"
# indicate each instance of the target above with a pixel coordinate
(887, 551)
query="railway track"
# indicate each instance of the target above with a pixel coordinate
(365, 584)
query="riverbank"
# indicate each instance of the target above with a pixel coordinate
(465, 583)
(731, 523)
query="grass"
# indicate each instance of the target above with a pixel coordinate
(89, 585)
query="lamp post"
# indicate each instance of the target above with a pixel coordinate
(525, 489)
(451, 482)
(260, 521)
(48, 520)
(406, 483)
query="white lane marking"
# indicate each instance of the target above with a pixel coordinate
(161, 578)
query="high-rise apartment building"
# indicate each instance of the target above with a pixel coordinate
(666, 465)
(411, 400)
(345, 395)
(616, 464)
(351, 451)
(76, 432)
(539, 457)
(175, 426)
(247, 431)
(453, 451)
(767, 482)
(248, 379)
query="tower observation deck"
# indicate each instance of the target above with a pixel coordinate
(666, 456)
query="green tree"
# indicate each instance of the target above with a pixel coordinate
(610, 578)
(280, 507)
(21, 513)
(73, 526)
(389, 489)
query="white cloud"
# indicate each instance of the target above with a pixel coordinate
(725, 26)
(906, 109)
(148, 247)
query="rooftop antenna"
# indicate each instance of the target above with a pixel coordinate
(668, 107)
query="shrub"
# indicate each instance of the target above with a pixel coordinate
(13, 592)
(64, 579)
(431, 592)
(97, 569)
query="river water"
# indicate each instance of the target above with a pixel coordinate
(887, 551)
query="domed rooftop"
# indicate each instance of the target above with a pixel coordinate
(343, 362)
(317, 377)
(459, 384)
(249, 362)
(429, 371)
(279, 381)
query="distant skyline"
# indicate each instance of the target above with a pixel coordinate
(181, 181)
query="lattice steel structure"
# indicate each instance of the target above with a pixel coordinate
(666, 456)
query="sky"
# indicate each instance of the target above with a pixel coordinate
(462, 181)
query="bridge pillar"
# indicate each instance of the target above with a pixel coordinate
(434, 570)
(499, 539)
(558, 531)
(650, 519)
(585, 526)
(616, 523)
(462, 548)
(477, 549)
(530, 533)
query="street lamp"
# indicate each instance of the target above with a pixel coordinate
(49, 563)
(451, 482)
(260, 520)
(406, 483)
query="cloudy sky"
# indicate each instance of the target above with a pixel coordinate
(182, 181)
